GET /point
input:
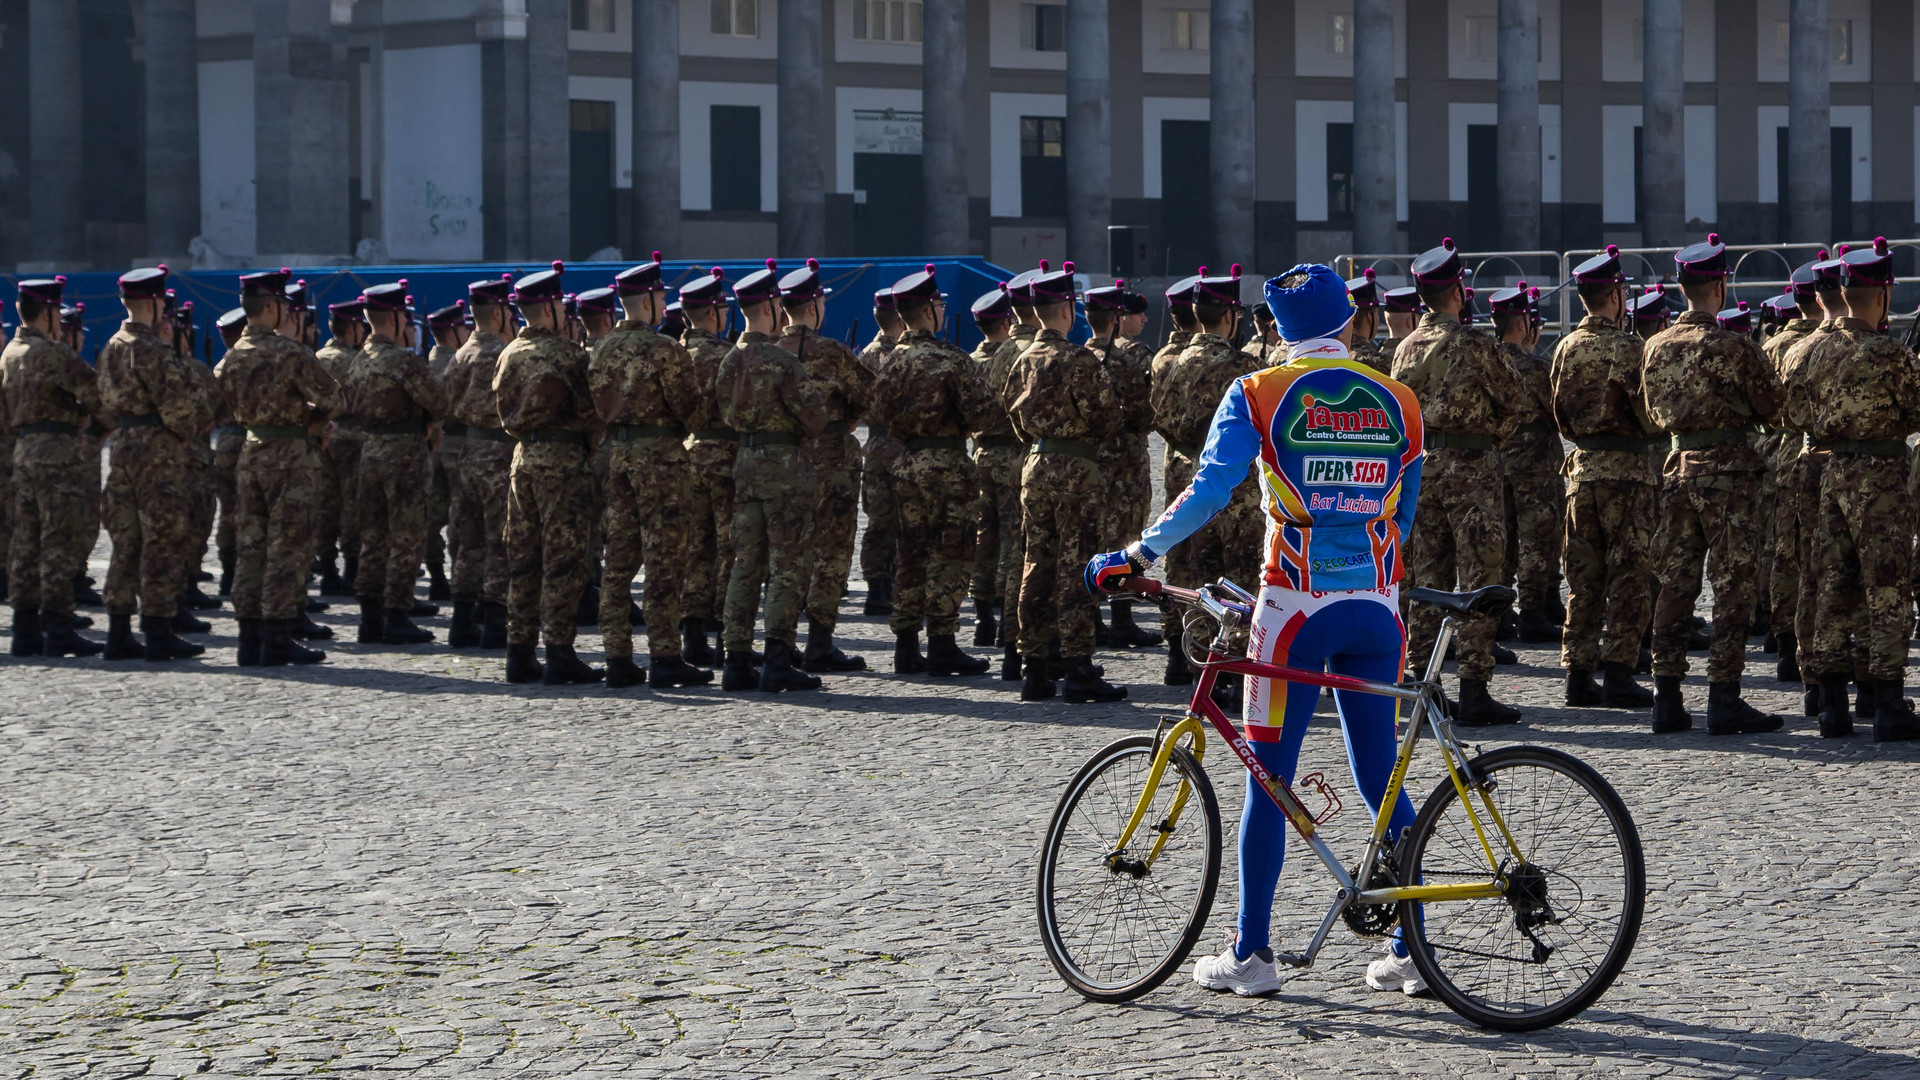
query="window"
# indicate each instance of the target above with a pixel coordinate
(735, 18)
(593, 16)
(1839, 41)
(735, 148)
(1483, 37)
(1043, 166)
(886, 20)
(1340, 174)
(1340, 35)
(1043, 27)
(1191, 31)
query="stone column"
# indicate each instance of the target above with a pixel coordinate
(299, 132)
(1663, 134)
(502, 29)
(656, 128)
(804, 124)
(549, 132)
(55, 125)
(1519, 124)
(1809, 191)
(1231, 130)
(943, 115)
(173, 127)
(1089, 139)
(1376, 147)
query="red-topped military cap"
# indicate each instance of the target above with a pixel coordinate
(1736, 318)
(1218, 290)
(354, 310)
(1700, 263)
(491, 290)
(673, 320)
(231, 325)
(707, 291)
(1363, 290)
(995, 304)
(45, 290)
(920, 287)
(266, 283)
(446, 318)
(1602, 269)
(1136, 304)
(1055, 286)
(883, 300)
(804, 283)
(1404, 300)
(145, 283)
(539, 286)
(296, 294)
(1180, 293)
(1805, 279)
(74, 316)
(1869, 266)
(603, 301)
(1107, 297)
(1438, 266)
(1020, 285)
(1783, 308)
(759, 286)
(644, 278)
(1651, 305)
(391, 296)
(1512, 301)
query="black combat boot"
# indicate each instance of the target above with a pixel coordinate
(622, 672)
(945, 657)
(779, 675)
(1477, 707)
(1178, 672)
(823, 655)
(1582, 691)
(277, 646)
(985, 628)
(665, 672)
(1537, 628)
(1699, 635)
(315, 605)
(1083, 684)
(1669, 711)
(226, 571)
(437, 585)
(61, 639)
(694, 647)
(251, 635)
(162, 645)
(1508, 627)
(350, 577)
(1866, 701)
(193, 599)
(879, 597)
(1836, 717)
(1227, 691)
(738, 674)
(305, 629)
(1788, 669)
(122, 642)
(184, 622)
(400, 630)
(421, 609)
(1728, 714)
(1100, 633)
(1037, 686)
(523, 666)
(565, 668)
(1620, 691)
(84, 594)
(587, 611)
(1893, 720)
(463, 632)
(906, 654)
(1125, 633)
(1009, 662)
(373, 623)
(493, 626)
(1810, 699)
(1503, 656)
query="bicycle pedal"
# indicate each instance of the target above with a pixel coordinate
(1298, 960)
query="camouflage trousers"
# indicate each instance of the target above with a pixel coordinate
(1536, 520)
(649, 500)
(1609, 542)
(440, 502)
(339, 513)
(6, 496)
(89, 537)
(836, 519)
(281, 489)
(149, 521)
(1863, 550)
(392, 488)
(202, 502)
(773, 503)
(226, 466)
(549, 517)
(939, 494)
(1790, 507)
(1129, 490)
(997, 545)
(1459, 542)
(710, 543)
(1059, 496)
(1202, 557)
(1711, 521)
(50, 520)
(599, 468)
(880, 544)
(479, 513)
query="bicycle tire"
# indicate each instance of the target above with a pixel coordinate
(1572, 894)
(1115, 760)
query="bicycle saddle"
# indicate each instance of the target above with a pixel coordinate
(1488, 601)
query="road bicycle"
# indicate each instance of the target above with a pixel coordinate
(1519, 887)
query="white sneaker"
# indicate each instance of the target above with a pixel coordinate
(1248, 978)
(1396, 973)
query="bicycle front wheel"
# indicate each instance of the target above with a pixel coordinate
(1117, 921)
(1555, 942)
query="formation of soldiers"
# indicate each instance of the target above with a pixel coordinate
(550, 448)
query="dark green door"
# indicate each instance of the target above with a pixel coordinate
(1186, 195)
(889, 203)
(591, 162)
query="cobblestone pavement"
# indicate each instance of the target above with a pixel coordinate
(396, 863)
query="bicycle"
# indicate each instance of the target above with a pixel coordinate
(1518, 914)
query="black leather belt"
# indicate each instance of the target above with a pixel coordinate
(769, 438)
(277, 431)
(1700, 440)
(453, 429)
(566, 436)
(937, 442)
(1626, 443)
(48, 427)
(398, 427)
(637, 432)
(1450, 440)
(998, 442)
(143, 420)
(1067, 446)
(716, 434)
(488, 434)
(1873, 447)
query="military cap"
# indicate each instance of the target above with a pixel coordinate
(354, 310)
(759, 286)
(266, 283)
(640, 279)
(1602, 269)
(804, 283)
(1438, 266)
(1651, 305)
(920, 287)
(883, 300)
(1136, 304)
(1804, 279)
(296, 294)
(391, 296)
(231, 325)
(1056, 286)
(1219, 290)
(993, 305)
(673, 320)
(603, 301)
(1869, 266)
(1020, 285)
(1829, 272)
(1107, 297)
(183, 315)
(1736, 318)
(1783, 308)
(1511, 301)
(491, 290)
(1405, 300)
(45, 290)
(172, 301)
(1362, 291)
(454, 314)
(709, 290)
(542, 285)
(571, 304)
(1700, 263)
(73, 316)
(1180, 293)
(146, 283)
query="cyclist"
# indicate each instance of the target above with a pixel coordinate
(1340, 452)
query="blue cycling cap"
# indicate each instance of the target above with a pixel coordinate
(1316, 308)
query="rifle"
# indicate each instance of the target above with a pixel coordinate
(1913, 332)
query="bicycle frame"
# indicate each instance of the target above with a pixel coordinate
(1424, 697)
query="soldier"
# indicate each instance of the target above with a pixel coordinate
(673, 321)
(711, 449)
(339, 525)
(229, 435)
(46, 393)
(1125, 467)
(929, 396)
(540, 388)
(275, 387)
(1707, 387)
(1651, 313)
(1468, 396)
(1063, 404)
(450, 330)
(846, 389)
(1008, 462)
(482, 477)
(879, 547)
(645, 393)
(599, 311)
(1403, 309)
(158, 411)
(1797, 315)
(765, 395)
(1530, 459)
(202, 489)
(93, 436)
(1264, 341)
(1172, 411)
(1365, 295)
(997, 455)
(592, 315)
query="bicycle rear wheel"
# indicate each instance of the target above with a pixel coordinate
(1114, 926)
(1555, 942)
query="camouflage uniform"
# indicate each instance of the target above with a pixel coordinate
(1000, 455)
(710, 454)
(1536, 494)
(275, 387)
(481, 480)
(880, 545)
(394, 395)
(228, 437)
(1189, 377)
(645, 391)
(445, 458)
(159, 410)
(765, 395)
(1124, 464)
(46, 391)
(930, 395)
(1469, 398)
(1790, 504)
(846, 388)
(540, 387)
(1597, 404)
(1707, 386)
(1376, 356)
(1061, 400)
(203, 485)
(339, 511)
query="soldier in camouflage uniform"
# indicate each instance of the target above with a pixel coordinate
(880, 546)
(592, 314)
(1401, 308)
(1707, 387)
(540, 390)
(159, 411)
(765, 395)
(1530, 459)
(481, 479)
(1125, 466)
(1177, 408)
(46, 392)
(996, 457)
(1005, 461)
(645, 392)
(711, 448)
(202, 489)
(1365, 294)
(229, 435)
(450, 330)
(276, 388)
(339, 526)
(930, 395)
(1264, 346)
(1063, 404)
(1468, 395)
